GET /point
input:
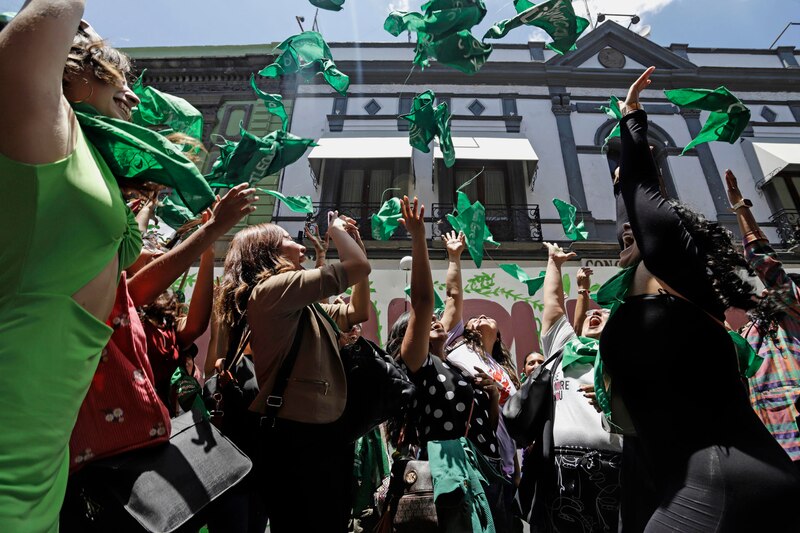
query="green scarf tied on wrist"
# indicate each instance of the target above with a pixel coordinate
(135, 152)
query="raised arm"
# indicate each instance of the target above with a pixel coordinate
(667, 248)
(358, 308)
(757, 250)
(202, 299)
(553, 286)
(351, 254)
(33, 51)
(584, 282)
(454, 304)
(155, 278)
(416, 342)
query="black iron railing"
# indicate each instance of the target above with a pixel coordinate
(787, 223)
(507, 223)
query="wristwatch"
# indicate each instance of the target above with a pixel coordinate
(583, 291)
(744, 202)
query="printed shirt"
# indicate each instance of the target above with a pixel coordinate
(576, 422)
(775, 387)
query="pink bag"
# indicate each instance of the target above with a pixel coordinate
(121, 411)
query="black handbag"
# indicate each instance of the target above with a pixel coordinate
(156, 489)
(377, 389)
(526, 411)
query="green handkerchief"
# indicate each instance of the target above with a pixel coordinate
(728, 119)
(574, 231)
(273, 103)
(556, 17)
(309, 55)
(298, 204)
(534, 284)
(386, 221)
(330, 5)
(162, 109)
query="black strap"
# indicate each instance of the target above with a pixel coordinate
(275, 399)
(231, 362)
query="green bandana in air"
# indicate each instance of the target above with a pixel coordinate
(220, 166)
(612, 293)
(556, 17)
(613, 112)
(443, 33)
(162, 109)
(428, 122)
(567, 213)
(133, 151)
(534, 284)
(273, 103)
(728, 119)
(330, 5)
(386, 221)
(471, 219)
(188, 391)
(172, 211)
(308, 54)
(254, 158)
(582, 350)
(438, 303)
(298, 204)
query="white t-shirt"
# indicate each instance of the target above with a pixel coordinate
(576, 422)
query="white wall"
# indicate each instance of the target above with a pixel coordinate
(735, 60)
(687, 174)
(598, 187)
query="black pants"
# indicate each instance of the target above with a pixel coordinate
(307, 474)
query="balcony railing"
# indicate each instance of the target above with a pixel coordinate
(787, 223)
(507, 223)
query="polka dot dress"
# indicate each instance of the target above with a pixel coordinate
(441, 407)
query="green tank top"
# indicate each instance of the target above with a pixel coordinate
(60, 225)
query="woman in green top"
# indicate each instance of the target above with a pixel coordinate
(65, 235)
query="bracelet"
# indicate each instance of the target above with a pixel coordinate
(583, 291)
(744, 202)
(753, 236)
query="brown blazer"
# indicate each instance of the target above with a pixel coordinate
(317, 389)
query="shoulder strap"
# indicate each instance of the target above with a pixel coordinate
(231, 362)
(328, 318)
(275, 399)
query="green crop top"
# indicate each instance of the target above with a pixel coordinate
(62, 223)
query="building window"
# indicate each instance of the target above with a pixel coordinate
(490, 187)
(476, 108)
(784, 193)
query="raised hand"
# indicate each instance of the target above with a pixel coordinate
(734, 194)
(637, 87)
(320, 245)
(556, 254)
(454, 244)
(232, 207)
(486, 383)
(584, 278)
(413, 217)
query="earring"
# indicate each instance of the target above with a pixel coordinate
(91, 92)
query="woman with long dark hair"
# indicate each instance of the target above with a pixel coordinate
(265, 288)
(669, 356)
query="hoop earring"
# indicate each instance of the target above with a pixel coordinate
(91, 92)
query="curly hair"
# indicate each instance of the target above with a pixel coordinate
(499, 353)
(723, 264)
(254, 256)
(87, 55)
(164, 311)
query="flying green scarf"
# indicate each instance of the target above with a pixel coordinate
(309, 55)
(428, 122)
(330, 5)
(470, 219)
(574, 231)
(556, 17)
(728, 119)
(253, 158)
(298, 204)
(613, 112)
(386, 221)
(162, 109)
(135, 152)
(273, 103)
(172, 211)
(533, 284)
(582, 350)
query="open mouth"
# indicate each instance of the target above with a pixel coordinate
(595, 321)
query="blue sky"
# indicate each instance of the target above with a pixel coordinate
(708, 23)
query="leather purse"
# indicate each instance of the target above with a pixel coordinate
(526, 411)
(156, 489)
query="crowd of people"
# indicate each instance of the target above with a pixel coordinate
(653, 422)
